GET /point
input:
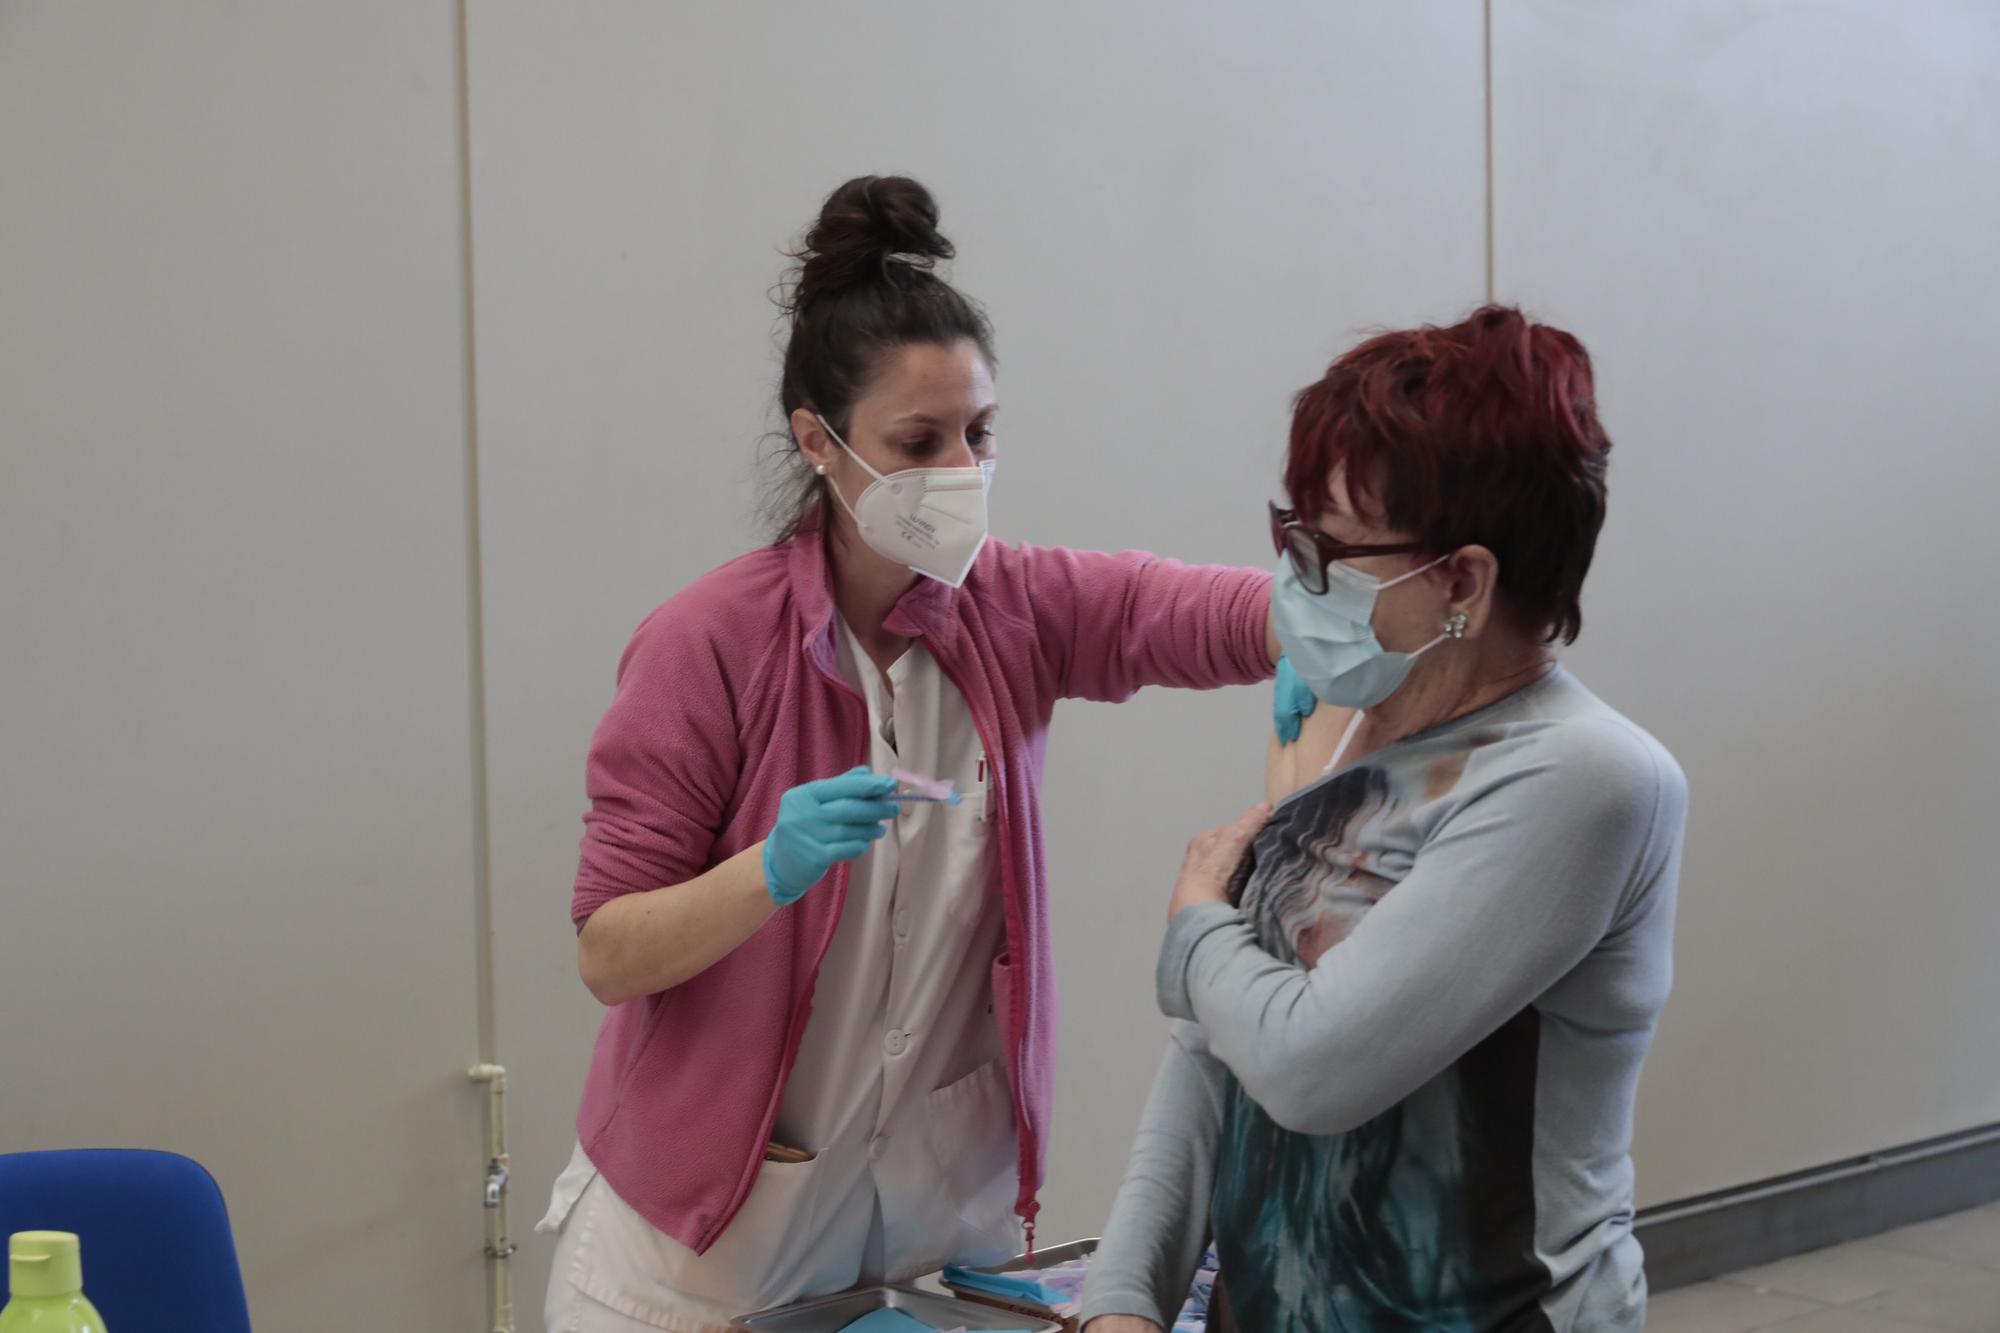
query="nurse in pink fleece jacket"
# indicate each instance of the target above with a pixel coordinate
(830, 1023)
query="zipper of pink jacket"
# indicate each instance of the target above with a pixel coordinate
(1027, 1153)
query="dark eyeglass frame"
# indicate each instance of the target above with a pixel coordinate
(1311, 550)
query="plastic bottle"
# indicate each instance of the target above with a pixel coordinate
(45, 1277)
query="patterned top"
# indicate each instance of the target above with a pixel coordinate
(1403, 1098)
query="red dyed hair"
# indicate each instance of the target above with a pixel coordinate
(1481, 434)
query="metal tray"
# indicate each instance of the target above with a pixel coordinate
(1047, 1258)
(830, 1314)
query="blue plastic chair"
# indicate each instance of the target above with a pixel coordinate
(158, 1255)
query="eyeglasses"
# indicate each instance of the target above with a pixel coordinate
(1311, 550)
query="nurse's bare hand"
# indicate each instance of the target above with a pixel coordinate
(1212, 858)
(1121, 1323)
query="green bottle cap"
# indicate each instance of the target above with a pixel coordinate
(44, 1263)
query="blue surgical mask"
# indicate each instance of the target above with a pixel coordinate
(1330, 637)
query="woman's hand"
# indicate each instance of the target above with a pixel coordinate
(1121, 1323)
(1212, 858)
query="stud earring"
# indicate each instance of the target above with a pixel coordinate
(820, 468)
(1455, 624)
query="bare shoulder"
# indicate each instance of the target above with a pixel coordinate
(1290, 767)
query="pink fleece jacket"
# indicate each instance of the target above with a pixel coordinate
(729, 695)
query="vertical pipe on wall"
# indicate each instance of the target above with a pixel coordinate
(1486, 77)
(499, 1248)
(475, 595)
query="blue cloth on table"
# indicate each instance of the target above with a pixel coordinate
(887, 1321)
(1004, 1284)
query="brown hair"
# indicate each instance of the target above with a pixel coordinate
(864, 287)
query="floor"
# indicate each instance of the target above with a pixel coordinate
(1942, 1275)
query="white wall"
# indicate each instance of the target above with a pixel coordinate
(1175, 216)
(1778, 228)
(235, 841)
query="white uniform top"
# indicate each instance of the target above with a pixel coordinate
(899, 1091)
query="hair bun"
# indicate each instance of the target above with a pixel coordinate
(867, 228)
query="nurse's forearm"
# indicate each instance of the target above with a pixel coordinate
(644, 943)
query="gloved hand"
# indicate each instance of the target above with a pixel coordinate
(820, 824)
(1291, 702)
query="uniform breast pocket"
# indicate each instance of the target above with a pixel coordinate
(969, 854)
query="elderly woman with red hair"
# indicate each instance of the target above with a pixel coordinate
(1414, 995)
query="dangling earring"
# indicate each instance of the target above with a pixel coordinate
(1455, 624)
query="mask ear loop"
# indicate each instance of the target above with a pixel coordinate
(1455, 626)
(833, 485)
(827, 426)
(1346, 738)
(1405, 578)
(1454, 629)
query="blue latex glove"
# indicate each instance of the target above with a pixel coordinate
(821, 824)
(1291, 702)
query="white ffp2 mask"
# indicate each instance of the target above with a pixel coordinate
(932, 519)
